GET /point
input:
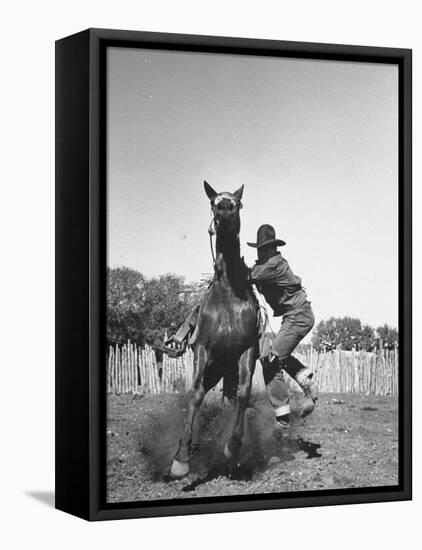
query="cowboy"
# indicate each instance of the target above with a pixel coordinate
(283, 291)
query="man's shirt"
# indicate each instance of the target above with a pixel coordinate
(280, 286)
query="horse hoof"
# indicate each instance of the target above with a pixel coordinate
(227, 452)
(179, 469)
(308, 406)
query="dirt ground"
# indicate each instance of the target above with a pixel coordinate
(349, 441)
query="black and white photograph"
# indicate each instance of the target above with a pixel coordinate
(252, 285)
(210, 237)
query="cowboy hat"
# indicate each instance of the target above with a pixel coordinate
(266, 235)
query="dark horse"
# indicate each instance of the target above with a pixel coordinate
(226, 335)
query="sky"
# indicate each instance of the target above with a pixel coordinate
(315, 143)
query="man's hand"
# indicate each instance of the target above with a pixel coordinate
(247, 271)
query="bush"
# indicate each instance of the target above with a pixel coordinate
(142, 309)
(348, 333)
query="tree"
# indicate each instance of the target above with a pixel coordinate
(125, 292)
(344, 332)
(367, 339)
(387, 337)
(167, 301)
(142, 309)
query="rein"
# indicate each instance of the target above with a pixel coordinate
(211, 233)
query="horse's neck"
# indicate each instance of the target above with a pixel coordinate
(229, 266)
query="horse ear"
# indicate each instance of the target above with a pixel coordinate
(238, 194)
(211, 194)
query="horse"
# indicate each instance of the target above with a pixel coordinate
(226, 338)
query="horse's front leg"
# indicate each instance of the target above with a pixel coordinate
(246, 369)
(180, 464)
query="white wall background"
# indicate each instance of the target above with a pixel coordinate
(27, 275)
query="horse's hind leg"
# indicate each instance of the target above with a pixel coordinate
(180, 464)
(246, 370)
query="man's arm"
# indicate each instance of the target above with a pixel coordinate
(264, 273)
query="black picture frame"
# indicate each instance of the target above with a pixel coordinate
(80, 272)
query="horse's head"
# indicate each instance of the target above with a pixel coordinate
(225, 209)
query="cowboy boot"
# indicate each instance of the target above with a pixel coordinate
(310, 389)
(277, 391)
(176, 345)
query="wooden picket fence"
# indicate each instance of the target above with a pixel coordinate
(131, 369)
(339, 371)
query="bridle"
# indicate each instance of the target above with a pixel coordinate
(211, 229)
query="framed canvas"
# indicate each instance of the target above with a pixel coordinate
(214, 358)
